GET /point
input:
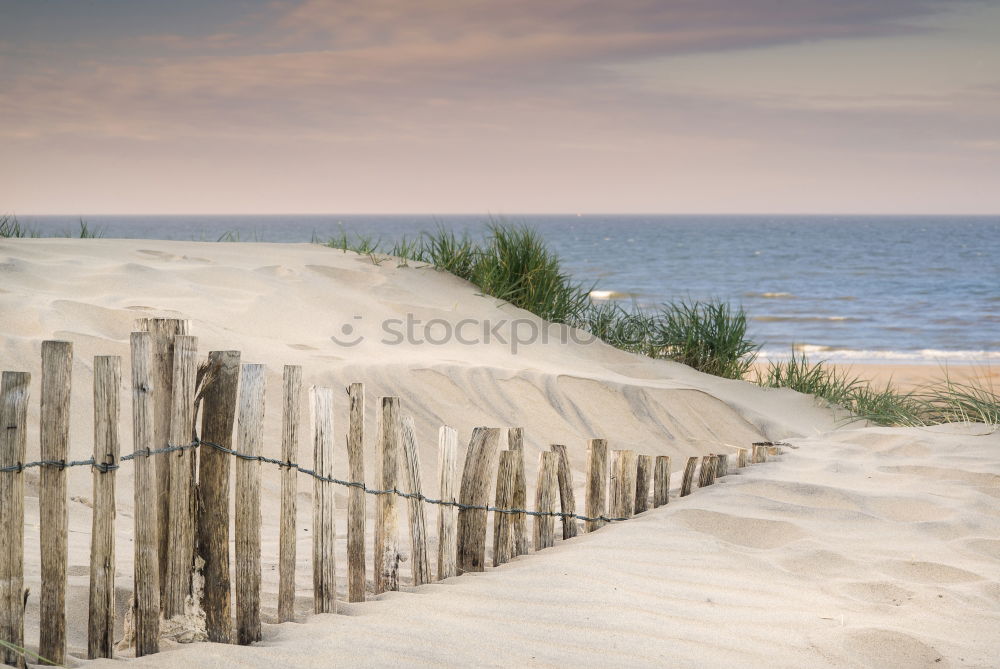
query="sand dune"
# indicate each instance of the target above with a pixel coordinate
(856, 547)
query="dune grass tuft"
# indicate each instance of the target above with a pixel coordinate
(709, 336)
(11, 227)
(946, 401)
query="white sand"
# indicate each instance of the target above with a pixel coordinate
(858, 547)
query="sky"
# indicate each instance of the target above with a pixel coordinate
(503, 106)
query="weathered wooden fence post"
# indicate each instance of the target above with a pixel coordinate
(217, 418)
(356, 496)
(643, 473)
(688, 479)
(661, 481)
(419, 563)
(597, 482)
(291, 386)
(101, 625)
(163, 331)
(324, 529)
(515, 442)
(707, 472)
(250, 438)
(386, 551)
(503, 523)
(622, 483)
(482, 453)
(567, 500)
(14, 389)
(447, 515)
(546, 489)
(721, 465)
(741, 457)
(146, 578)
(181, 528)
(57, 369)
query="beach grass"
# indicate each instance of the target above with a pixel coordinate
(710, 336)
(936, 403)
(11, 227)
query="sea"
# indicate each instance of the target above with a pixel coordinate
(921, 289)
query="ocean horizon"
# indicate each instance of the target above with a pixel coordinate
(914, 289)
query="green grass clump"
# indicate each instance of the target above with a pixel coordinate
(709, 336)
(946, 401)
(819, 379)
(516, 266)
(512, 264)
(950, 401)
(86, 232)
(11, 227)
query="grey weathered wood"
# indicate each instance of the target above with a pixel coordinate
(546, 490)
(480, 456)
(101, 622)
(706, 475)
(688, 479)
(721, 465)
(643, 473)
(419, 562)
(622, 484)
(14, 390)
(566, 498)
(356, 498)
(447, 515)
(291, 409)
(324, 528)
(386, 550)
(146, 579)
(515, 442)
(249, 441)
(661, 481)
(597, 482)
(742, 458)
(163, 331)
(217, 418)
(181, 530)
(503, 523)
(57, 368)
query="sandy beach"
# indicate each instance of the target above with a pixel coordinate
(856, 547)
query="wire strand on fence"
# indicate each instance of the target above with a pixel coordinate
(105, 467)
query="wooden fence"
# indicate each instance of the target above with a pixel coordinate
(182, 493)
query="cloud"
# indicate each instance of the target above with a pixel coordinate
(471, 83)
